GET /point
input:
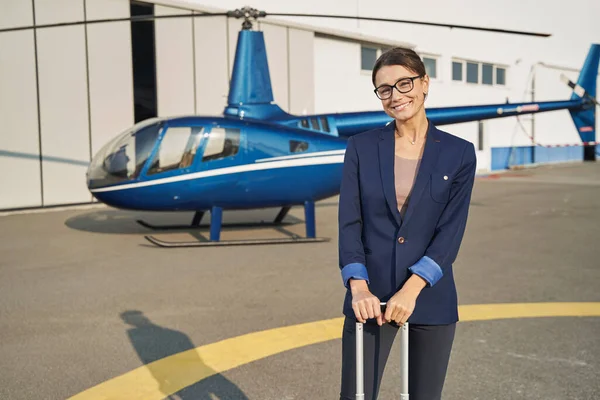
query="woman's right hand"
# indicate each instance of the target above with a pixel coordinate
(364, 303)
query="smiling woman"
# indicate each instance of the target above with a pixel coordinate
(423, 178)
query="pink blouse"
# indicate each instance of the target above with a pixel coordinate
(405, 172)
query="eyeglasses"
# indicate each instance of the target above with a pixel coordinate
(403, 85)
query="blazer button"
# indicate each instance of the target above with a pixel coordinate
(400, 240)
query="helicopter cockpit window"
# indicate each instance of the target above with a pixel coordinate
(177, 149)
(314, 124)
(222, 142)
(123, 158)
(297, 146)
(325, 124)
(304, 123)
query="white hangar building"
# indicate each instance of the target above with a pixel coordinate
(67, 90)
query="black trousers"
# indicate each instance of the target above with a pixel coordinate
(429, 348)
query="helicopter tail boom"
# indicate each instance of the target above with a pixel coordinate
(581, 105)
(349, 124)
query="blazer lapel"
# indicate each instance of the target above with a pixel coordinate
(386, 166)
(428, 162)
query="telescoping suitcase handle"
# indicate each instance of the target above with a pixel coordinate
(360, 372)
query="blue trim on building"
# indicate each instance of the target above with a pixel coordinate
(505, 157)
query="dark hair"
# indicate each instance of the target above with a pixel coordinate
(400, 56)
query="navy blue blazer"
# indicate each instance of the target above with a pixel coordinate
(377, 244)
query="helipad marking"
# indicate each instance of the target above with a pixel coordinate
(186, 368)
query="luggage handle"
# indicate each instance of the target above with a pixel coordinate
(360, 390)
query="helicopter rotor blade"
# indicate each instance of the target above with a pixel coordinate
(477, 28)
(250, 13)
(137, 18)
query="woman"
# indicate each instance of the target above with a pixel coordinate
(403, 208)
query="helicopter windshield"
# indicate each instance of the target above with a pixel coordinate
(123, 157)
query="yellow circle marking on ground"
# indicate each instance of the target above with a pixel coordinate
(166, 376)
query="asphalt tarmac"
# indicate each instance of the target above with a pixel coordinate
(84, 298)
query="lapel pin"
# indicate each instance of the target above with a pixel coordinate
(445, 177)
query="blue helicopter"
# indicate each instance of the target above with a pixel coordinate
(257, 156)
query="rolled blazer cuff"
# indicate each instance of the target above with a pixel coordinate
(427, 269)
(355, 271)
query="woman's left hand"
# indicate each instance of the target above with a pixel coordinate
(401, 306)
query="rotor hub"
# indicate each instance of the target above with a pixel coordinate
(249, 14)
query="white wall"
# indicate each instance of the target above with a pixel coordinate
(302, 73)
(110, 71)
(19, 140)
(555, 127)
(174, 63)
(340, 86)
(276, 42)
(58, 11)
(212, 76)
(63, 114)
(104, 9)
(16, 13)
(233, 28)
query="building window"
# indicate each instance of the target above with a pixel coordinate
(478, 73)
(457, 71)
(472, 72)
(368, 57)
(500, 76)
(487, 72)
(430, 66)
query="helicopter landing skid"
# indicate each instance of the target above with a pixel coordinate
(195, 223)
(215, 231)
(162, 243)
(198, 219)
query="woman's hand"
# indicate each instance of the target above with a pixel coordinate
(401, 306)
(364, 303)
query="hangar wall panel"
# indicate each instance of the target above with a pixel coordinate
(339, 82)
(63, 114)
(276, 42)
(58, 11)
(174, 63)
(16, 13)
(234, 26)
(105, 9)
(302, 79)
(19, 140)
(212, 77)
(110, 81)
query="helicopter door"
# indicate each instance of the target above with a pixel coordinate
(175, 157)
(221, 147)
(176, 151)
(223, 150)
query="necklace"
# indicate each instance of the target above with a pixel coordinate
(413, 142)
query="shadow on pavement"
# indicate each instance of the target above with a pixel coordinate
(153, 342)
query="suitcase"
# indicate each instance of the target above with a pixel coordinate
(360, 390)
